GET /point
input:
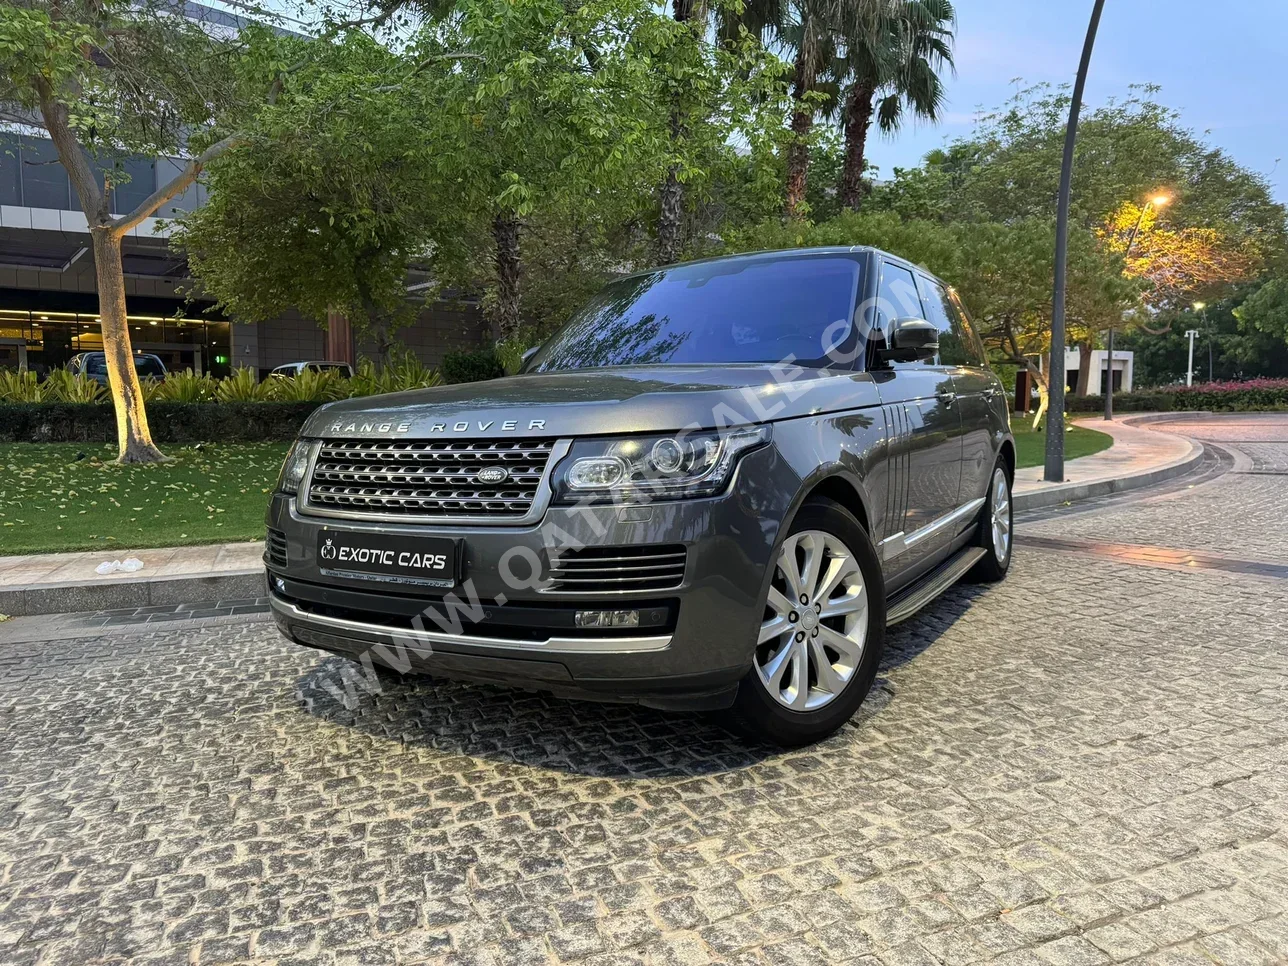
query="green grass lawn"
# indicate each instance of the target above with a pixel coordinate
(1030, 447)
(51, 500)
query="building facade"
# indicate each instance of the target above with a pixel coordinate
(48, 292)
(1098, 378)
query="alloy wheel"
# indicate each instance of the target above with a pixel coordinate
(1001, 515)
(816, 622)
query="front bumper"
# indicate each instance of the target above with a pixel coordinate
(694, 644)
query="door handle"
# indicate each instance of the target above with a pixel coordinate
(990, 392)
(947, 398)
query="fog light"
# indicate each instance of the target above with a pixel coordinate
(608, 618)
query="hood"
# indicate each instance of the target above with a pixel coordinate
(592, 402)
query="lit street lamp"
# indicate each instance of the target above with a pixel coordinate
(1155, 202)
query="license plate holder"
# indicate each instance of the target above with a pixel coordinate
(394, 558)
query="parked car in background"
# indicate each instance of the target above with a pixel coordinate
(292, 369)
(713, 488)
(94, 365)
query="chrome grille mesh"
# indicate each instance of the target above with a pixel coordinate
(437, 478)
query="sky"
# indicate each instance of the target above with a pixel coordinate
(1222, 65)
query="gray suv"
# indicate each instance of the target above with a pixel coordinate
(713, 488)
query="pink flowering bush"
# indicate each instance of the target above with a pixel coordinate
(1254, 395)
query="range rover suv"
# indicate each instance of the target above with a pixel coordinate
(714, 488)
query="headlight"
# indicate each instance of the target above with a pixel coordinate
(295, 466)
(644, 468)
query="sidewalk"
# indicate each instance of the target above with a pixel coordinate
(54, 583)
(1140, 456)
(66, 582)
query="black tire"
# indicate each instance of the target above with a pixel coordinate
(994, 566)
(755, 712)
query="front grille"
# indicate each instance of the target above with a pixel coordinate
(428, 479)
(275, 547)
(601, 569)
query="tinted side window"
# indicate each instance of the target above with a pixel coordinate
(971, 340)
(958, 345)
(898, 295)
(941, 315)
(96, 365)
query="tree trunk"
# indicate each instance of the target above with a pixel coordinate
(858, 118)
(802, 122)
(1084, 368)
(134, 440)
(671, 194)
(669, 217)
(509, 272)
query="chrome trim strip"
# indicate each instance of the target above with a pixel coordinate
(892, 545)
(415, 638)
(947, 520)
(540, 501)
(900, 542)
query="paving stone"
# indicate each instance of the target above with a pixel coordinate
(1086, 763)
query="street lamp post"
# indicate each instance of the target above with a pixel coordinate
(1155, 202)
(1201, 308)
(1053, 471)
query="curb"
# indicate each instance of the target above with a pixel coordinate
(138, 592)
(1073, 492)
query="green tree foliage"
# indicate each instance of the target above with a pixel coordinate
(322, 206)
(532, 105)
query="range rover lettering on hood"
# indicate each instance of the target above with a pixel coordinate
(460, 426)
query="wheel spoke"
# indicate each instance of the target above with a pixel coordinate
(837, 569)
(850, 650)
(800, 675)
(851, 603)
(828, 679)
(791, 572)
(773, 670)
(774, 627)
(779, 603)
(814, 552)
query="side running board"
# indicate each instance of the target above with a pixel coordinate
(922, 591)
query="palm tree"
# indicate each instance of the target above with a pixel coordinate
(900, 63)
(812, 28)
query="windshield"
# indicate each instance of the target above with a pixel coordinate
(749, 310)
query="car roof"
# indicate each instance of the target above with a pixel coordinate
(777, 253)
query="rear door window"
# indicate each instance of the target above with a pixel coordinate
(958, 344)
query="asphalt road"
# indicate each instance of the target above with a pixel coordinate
(1087, 763)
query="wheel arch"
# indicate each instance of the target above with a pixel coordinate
(839, 488)
(1007, 452)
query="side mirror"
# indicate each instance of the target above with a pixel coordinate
(909, 340)
(527, 357)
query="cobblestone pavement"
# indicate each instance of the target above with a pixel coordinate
(1085, 764)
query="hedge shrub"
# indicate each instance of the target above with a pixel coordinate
(170, 422)
(471, 366)
(1255, 395)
